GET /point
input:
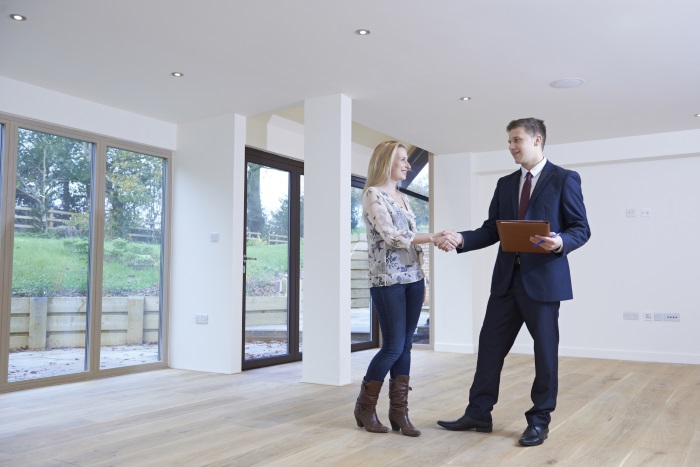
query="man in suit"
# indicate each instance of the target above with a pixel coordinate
(526, 287)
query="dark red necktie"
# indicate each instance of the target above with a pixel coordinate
(525, 196)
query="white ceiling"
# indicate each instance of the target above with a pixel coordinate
(639, 58)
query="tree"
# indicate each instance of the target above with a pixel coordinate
(420, 208)
(134, 192)
(255, 217)
(53, 172)
(355, 208)
(279, 221)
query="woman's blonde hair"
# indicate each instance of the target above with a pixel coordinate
(379, 170)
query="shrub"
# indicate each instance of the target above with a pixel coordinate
(78, 245)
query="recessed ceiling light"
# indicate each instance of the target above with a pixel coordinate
(17, 17)
(566, 83)
(465, 98)
(362, 32)
(697, 115)
(177, 74)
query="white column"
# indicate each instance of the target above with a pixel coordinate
(206, 276)
(327, 155)
(451, 201)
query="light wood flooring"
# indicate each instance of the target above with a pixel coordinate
(610, 413)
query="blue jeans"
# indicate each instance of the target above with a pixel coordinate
(398, 308)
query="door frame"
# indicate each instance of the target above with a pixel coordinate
(359, 182)
(296, 170)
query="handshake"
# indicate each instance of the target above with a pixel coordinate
(447, 240)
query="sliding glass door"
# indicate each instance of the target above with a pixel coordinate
(273, 267)
(83, 266)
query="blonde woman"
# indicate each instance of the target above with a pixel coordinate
(397, 285)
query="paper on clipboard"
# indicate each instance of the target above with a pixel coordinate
(515, 235)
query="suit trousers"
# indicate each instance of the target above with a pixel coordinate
(505, 316)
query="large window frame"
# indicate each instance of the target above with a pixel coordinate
(8, 164)
(359, 182)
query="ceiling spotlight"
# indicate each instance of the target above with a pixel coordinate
(566, 83)
(177, 74)
(17, 17)
(465, 98)
(697, 115)
(362, 32)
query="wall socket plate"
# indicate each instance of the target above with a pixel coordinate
(201, 319)
(659, 316)
(630, 212)
(672, 317)
(630, 315)
(648, 316)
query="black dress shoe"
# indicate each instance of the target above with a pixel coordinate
(534, 435)
(467, 423)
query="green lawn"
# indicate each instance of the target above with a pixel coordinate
(270, 266)
(45, 267)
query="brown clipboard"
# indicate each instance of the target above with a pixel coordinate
(515, 235)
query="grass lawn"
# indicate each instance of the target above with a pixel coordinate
(43, 267)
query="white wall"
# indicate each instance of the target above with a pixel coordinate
(28, 101)
(285, 137)
(630, 264)
(453, 325)
(206, 276)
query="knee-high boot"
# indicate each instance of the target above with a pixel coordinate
(398, 406)
(366, 407)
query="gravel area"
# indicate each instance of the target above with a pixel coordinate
(32, 364)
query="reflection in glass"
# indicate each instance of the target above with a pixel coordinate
(49, 307)
(267, 241)
(132, 271)
(360, 313)
(301, 266)
(422, 211)
(421, 184)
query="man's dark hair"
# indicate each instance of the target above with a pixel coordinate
(533, 127)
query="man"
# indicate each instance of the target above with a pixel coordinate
(526, 287)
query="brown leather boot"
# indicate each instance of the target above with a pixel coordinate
(398, 406)
(366, 407)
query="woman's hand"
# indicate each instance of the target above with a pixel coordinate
(447, 240)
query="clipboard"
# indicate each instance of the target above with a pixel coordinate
(515, 235)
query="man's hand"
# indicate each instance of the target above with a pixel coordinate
(448, 240)
(551, 243)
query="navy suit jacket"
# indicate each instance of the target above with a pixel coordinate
(557, 198)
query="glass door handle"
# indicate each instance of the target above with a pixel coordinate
(248, 258)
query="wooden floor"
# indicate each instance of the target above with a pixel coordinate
(610, 413)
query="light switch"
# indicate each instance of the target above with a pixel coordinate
(215, 236)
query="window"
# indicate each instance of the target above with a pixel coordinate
(84, 254)
(417, 188)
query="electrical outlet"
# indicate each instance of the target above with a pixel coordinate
(630, 212)
(201, 319)
(648, 316)
(659, 316)
(672, 317)
(630, 315)
(645, 212)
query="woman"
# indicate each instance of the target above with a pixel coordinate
(397, 285)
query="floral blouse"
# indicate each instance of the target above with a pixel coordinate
(390, 230)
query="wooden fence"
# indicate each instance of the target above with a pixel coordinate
(272, 239)
(58, 218)
(55, 217)
(50, 322)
